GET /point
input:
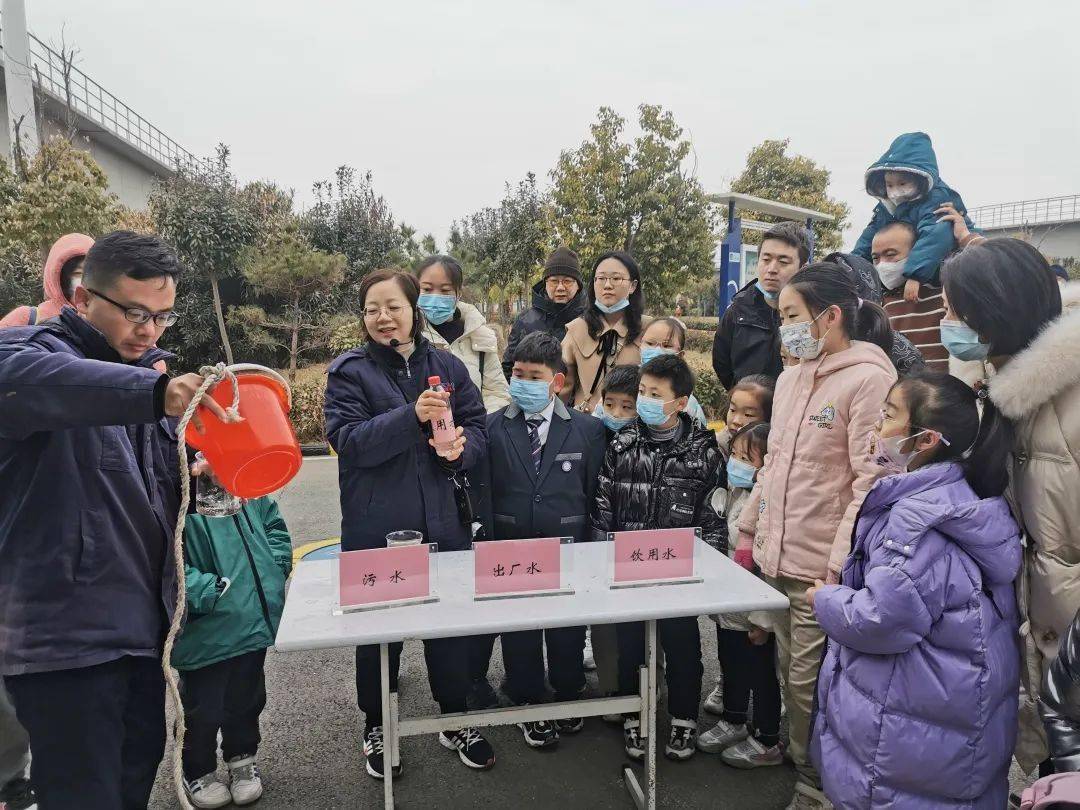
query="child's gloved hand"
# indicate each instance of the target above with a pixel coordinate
(911, 290)
(745, 558)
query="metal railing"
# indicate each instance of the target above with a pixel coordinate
(1048, 210)
(89, 99)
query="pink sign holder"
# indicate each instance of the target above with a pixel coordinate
(378, 578)
(654, 557)
(504, 569)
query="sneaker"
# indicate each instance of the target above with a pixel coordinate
(373, 753)
(714, 703)
(17, 795)
(481, 696)
(808, 798)
(474, 750)
(681, 742)
(751, 754)
(590, 662)
(635, 747)
(244, 781)
(721, 736)
(541, 734)
(207, 791)
(570, 725)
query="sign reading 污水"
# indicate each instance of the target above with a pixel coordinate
(379, 575)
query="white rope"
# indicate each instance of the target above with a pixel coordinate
(211, 376)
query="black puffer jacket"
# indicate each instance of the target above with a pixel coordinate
(1059, 702)
(543, 316)
(646, 484)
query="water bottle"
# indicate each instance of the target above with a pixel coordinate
(443, 430)
(211, 498)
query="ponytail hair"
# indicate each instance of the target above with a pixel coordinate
(827, 284)
(945, 404)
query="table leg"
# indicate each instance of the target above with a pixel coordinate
(389, 727)
(650, 752)
(646, 799)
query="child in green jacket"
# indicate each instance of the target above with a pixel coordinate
(236, 571)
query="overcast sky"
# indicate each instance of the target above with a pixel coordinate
(447, 101)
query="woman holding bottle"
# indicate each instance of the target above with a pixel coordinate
(379, 414)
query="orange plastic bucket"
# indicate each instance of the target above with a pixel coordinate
(261, 454)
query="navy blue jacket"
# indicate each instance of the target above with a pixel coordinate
(390, 477)
(89, 494)
(516, 502)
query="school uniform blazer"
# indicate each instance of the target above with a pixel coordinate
(516, 502)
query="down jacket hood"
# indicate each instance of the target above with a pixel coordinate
(939, 497)
(1047, 367)
(911, 152)
(66, 248)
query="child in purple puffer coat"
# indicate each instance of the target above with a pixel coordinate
(918, 692)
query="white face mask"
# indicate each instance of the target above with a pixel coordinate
(891, 273)
(799, 342)
(897, 197)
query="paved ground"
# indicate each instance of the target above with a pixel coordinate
(310, 757)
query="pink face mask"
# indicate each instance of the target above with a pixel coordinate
(886, 452)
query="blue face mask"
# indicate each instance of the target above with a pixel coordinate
(618, 306)
(769, 296)
(652, 352)
(613, 422)
(651, 411)
(438, 309)
(740, 474)
(532, 396)
(962, 342)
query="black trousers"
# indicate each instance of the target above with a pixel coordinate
(750, 669)
(523, 657)
(681, 642)
(97, 733)
(448, 675)
(229, 695)
(480, 649)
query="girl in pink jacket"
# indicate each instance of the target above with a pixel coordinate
(61, 275)
(800, 516)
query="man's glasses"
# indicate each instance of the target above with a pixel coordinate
(138, 314)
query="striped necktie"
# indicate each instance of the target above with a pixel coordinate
(534, 423)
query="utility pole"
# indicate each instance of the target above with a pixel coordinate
(18, 79)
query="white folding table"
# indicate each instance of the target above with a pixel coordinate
(309, 622)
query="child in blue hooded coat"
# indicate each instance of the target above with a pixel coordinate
(906, 182)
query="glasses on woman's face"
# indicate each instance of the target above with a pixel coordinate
(612, 281)
(138, 314)
(393, 310)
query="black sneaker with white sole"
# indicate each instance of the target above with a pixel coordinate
(541, 734)
(681, 743)
(473, 749)
(373, 753)
(17, 795)
(570, 725)
(632, 741)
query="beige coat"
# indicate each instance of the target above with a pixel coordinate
(582, 358)
(1039, 390)
(477, 338)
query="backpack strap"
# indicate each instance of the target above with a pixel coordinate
(32, 317)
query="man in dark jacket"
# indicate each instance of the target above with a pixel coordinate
(659, 473)
(557, 299)
(543, 462)
(748, 337)
(88, 502)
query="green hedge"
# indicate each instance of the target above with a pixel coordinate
(308, 397)
(707, 388)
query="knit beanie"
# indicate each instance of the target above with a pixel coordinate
(563, 262)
